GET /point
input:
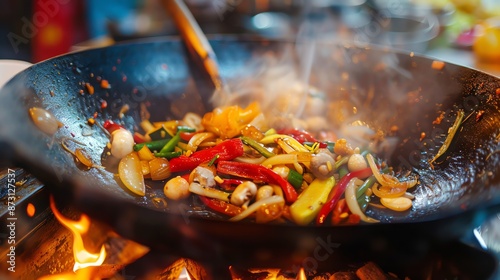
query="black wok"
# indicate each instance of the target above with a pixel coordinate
(391, 89)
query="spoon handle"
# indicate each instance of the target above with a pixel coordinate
(195, 39)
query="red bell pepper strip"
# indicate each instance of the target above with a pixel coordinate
(337, 193)
(186, 136)
(227, 150)
(230, 184)
(111, 126)
(301, 136)
(220, 206)
(258, 172)
(139, 138)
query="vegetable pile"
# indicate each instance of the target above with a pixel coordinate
(239, 167)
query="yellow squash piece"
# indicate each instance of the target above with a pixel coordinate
(307, 206)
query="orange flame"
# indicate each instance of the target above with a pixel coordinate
(302, 274)
(83, 258)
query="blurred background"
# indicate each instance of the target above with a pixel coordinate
(466, 32)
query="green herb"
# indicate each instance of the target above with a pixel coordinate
(168, 155)
(152, 145)
(256, 146)
(451, 134)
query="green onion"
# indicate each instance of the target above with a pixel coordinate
(169, 147)
(255, 145)
(168, 155)
(363, 202)
(330, 146)
(368, 183)
(152, 145)
(183, 128)
(340, 162)
(295, 179)
(343, 171)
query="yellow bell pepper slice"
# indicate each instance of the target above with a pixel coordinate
(310, 201)
(228, 122)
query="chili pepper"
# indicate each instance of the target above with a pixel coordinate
(337, 211)
(139, 138)
(111, 126)
(186, 136)
(353, 219)
(230, 184)
(258, 172)
(227, 150)
(221, 206)
(338, 191)
(299, 135)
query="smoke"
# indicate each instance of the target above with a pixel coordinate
(327, 83)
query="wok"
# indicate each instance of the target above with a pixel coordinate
(391, 89)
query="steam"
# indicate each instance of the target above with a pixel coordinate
(318, 84)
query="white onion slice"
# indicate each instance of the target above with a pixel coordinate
(352, 202)
(256, 205)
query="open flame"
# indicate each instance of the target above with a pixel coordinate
(302, 274)
(83, 258)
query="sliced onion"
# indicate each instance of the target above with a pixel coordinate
(82, 157)
(409, 195)
(388, 192)
(193, 120)
(352, 203)
(159, 168)
(130, 172)
(209, 192)
(397, 204)
(283, 159)
(280, 159)
(258, 160)
(387, 180)
(197, 139)
(275, 199)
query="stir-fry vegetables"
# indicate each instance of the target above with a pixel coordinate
(234, 168)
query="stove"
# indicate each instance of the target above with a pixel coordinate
(34, 244)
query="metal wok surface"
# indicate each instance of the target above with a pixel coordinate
(391, 89)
